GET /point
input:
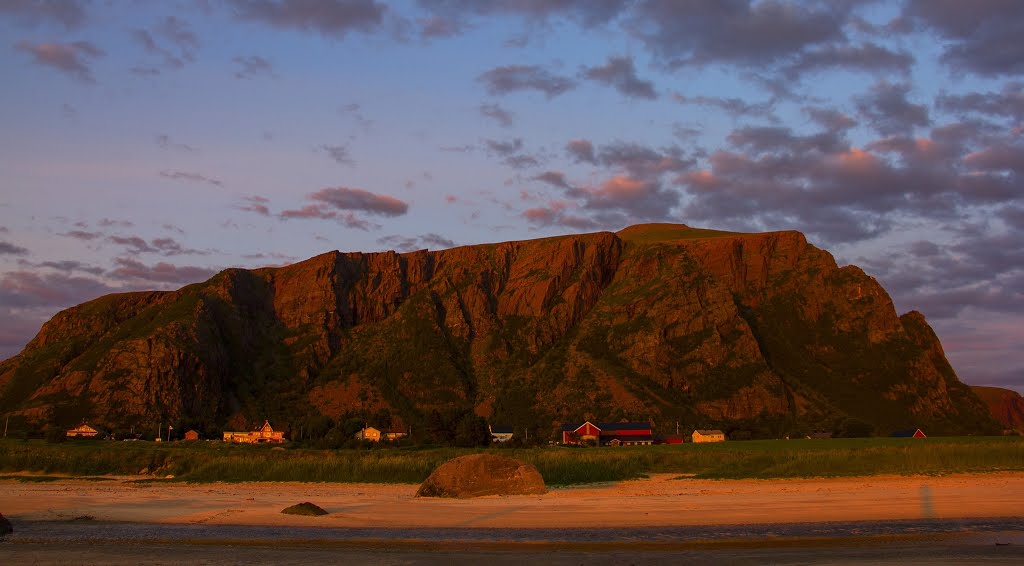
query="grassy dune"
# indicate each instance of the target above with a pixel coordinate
(215, 461)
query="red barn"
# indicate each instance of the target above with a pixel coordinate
(608, 434)
(578, 433)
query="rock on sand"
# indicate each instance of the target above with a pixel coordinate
(306, 508)
(482, 474)
(5, 525)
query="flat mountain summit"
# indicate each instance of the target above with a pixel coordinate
(756, 332)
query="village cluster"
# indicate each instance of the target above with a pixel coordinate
(573, 434)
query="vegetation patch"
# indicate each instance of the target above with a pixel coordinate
(558, 465)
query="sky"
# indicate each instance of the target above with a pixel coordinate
(148, 145)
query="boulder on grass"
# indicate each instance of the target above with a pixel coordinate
(5, 525)
(482, 474)
(306, 508)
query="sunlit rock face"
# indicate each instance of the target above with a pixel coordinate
(1006, 406)
(756, 332)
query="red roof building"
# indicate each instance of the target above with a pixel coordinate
(608, 434)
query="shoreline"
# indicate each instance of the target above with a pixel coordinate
(659, 501)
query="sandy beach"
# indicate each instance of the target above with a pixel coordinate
(659, 520)
(662, 500)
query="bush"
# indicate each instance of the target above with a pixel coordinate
(56, 436)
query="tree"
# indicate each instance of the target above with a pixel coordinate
(853, 428)
(472, 431)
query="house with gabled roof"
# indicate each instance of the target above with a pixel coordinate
(85, 430)
(263, 435)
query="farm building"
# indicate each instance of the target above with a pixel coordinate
(265, 434)
(374, 434)
(608, 434)
(192, 435)
(85, 430)
(908, 433)
(500, 433)
(713, 435)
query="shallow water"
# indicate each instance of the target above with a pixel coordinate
(925, 542)
(985, 531)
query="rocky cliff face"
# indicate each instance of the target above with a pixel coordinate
(1006, 405)
(660, 322)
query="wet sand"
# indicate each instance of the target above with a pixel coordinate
(910, 520)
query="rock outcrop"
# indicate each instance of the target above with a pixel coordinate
(477, 475)
(762, 332)
(5, 526)
(1006, 405)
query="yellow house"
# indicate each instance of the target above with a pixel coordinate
(708, 436)
(369, 433)
(265, 434)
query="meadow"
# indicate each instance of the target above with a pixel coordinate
(761, 459)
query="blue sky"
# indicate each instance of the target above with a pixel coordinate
(150, 144)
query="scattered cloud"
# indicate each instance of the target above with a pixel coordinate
(83, 235)
(736, 32)
(69, 13)
(504, 148)
(252, 66)
(69, 266)
(7, 248)
(130, 270)
(587, 13)
(581, 151)
(555, 179)
(107, 223)
(339, 153)
(511, 78)
(503, 117)
(190, 177)
(133, 243)
(70, 58)
(830, 118)
(619, 72)
(1007, 103)
(342, 204)
(344, 198)
(978, 37)
(330, 18)
(734, 107)
(24, 289)
(888, 110)
(256, 204)
(165, 142)
(868, 57)
(177, 45)
(413, 243)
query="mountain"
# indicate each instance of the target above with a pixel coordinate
(761, 333)
(1006, 405)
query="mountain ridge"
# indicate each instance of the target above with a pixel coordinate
(755, 332)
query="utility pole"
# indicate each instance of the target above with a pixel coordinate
(7, 420)
(158, 431)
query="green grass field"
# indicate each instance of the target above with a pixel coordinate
(215, 461)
